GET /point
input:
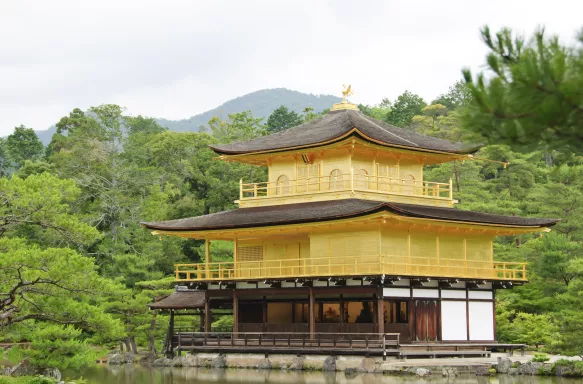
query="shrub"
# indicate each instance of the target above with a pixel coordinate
(540, 358)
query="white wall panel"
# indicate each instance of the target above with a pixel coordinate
(452, 294)
(396, 292)
(430, 293)
(453, 320)
(480, 295)
(481, 320)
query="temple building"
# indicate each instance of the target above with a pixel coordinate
(346, 238)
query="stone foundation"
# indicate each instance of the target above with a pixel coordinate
(348, 364)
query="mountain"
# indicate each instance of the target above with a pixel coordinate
(261, 104)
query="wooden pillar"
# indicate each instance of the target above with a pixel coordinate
(207, 316)
(381, 314)
(341, 312)
(235, 313)
(169, 352)
(207, 258)
(375, 314)
(171, 322)
(235, 258)
(312, 314)
(264, 313)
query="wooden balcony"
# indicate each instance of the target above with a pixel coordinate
(345, 266)
(346, 185)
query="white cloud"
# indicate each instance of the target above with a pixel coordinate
(174, 59)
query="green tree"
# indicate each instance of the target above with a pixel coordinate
(43, 280)
(282, 119)
(533, 329)
(404, 108)
(531, 94)
(4, 160)
(23, 144)
(457, 96)
(240, 127)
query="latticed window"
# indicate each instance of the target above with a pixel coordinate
(308, 178)
(386, 176)
(282, 185)
(336, 179)
(361, 179)
(250, 253)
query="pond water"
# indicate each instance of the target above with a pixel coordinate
(104, 374)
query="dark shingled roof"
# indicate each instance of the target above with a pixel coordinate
(337, 124)
(180, 300)
(333, 210)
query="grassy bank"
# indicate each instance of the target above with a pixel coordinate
(26, 380)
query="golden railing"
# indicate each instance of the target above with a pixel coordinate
(352, 266)
(346, 182)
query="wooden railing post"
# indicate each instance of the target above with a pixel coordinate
(352, 180)
(450, 189)
(240, 189)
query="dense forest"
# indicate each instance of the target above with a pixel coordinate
(77, 270)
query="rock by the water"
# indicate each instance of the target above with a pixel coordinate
(297, 364)
(483, 370)
(449, 372)
(504, 364)
(163, 362)
(120, 358)
(530, 368)
(177, 361)
(190, 361)
(24, 368)
(53, 373)
(422, 372)
(264, 364)
(546, 369)
(513, 371)
(367, 365)
(219, 362)
(329, 364)
(148, 359)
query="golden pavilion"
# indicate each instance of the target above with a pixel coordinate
(345, 248)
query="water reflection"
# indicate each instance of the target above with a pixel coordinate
(141, 375)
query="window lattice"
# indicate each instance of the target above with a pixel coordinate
(250, 253)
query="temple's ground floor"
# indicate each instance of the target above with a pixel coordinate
(350, 316)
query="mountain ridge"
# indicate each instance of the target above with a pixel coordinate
(261, 103)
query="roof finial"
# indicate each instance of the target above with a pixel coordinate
(345, 104)
(346, 91)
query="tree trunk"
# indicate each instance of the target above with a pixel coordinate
(127, 344)
(456, 175)
(133, 344)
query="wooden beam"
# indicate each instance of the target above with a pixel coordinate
(207, 316)
(207, 257)
(312, 309)
(381, 314)
(235, 313)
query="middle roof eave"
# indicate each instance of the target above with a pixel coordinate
(335, 210)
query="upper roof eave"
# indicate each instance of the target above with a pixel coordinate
(353, 133)
(338, 125)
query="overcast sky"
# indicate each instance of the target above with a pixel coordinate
(175, 59)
